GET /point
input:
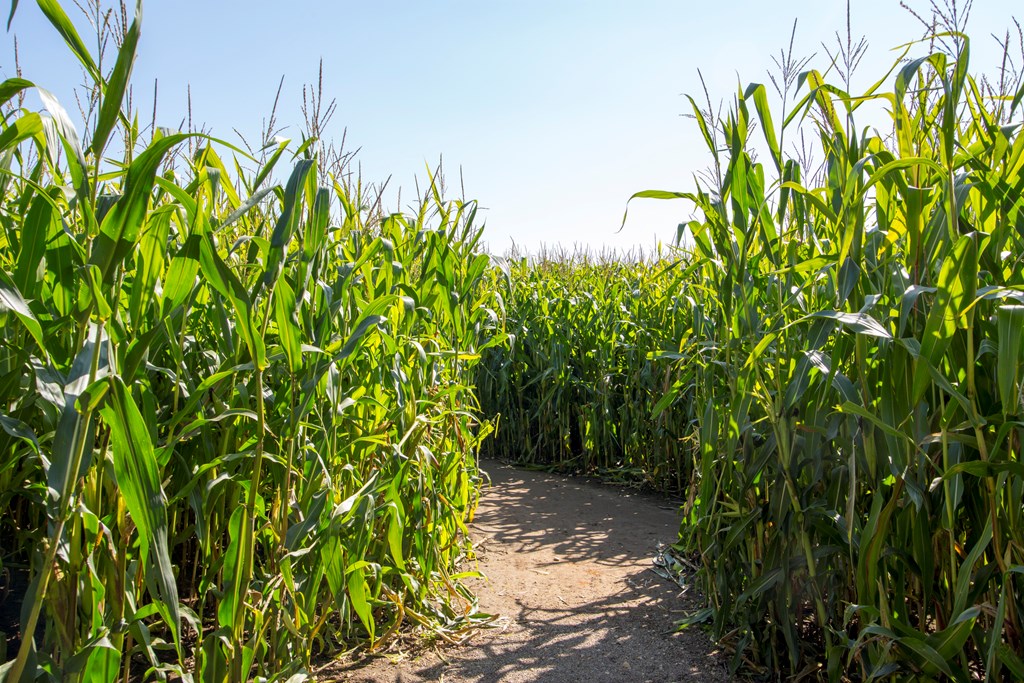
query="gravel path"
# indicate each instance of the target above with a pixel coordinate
(567, 565)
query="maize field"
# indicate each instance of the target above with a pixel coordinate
(576, 386)
(242, 405)
(829, 371)
(238, 429)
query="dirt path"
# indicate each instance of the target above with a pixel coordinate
(567, 565)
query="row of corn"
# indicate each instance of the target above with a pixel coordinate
(237, 417)
(829, 371)
(575, 384)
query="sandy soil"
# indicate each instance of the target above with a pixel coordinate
(568, 567)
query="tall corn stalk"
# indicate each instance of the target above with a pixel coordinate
(575, 385)
(239, 429)
(858, 506)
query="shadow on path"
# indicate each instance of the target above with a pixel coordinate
(567, 569)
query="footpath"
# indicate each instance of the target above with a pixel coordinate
(568, 566)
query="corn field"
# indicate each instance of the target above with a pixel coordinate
(830, 372)
(238, 429)
(574, 388)
(241, 405)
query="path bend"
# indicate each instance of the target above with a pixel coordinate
(567, 565)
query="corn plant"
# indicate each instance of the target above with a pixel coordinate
(239, 430)
(857, 343)
(575, 385)
(829, 370)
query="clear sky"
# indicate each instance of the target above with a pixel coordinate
(556, 111)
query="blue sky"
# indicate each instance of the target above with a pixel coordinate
(555, 111)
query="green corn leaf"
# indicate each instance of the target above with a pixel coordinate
(1012, 661)
(763, 584)
(287, 222)
(949, 642)
(19, 430)
(181, 274)
(220, 277)
(11, 87)
(117, 86)
(73, 147)
(317, 229)
(103, 664)
(654, 194)
(138, 479)
(287, 326)
(396, 529)
(983, 468)
(1017, 99)
(858, 322)
(334, 568)
(70, 458)
(816, 82)
(207, 384)
(926, 657)
(965, 573)
(369, 318)
(663, 403)
(181, 196)
(813, 198)
(120, 228)
(91, 398)
(94, 658)
(27, 126)
(245, 206)
(873, 543)
(12, 300)
(298, 534)
(90, 295)
(1010, 330)
(951, 310)
(234, 590)
(901, 164)
(764, 114)
(34, 231)
(995, 635)
(268, 167)
(150, 263)
(360, 603)
(216, 168)
(862, 412)
(55, 13)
